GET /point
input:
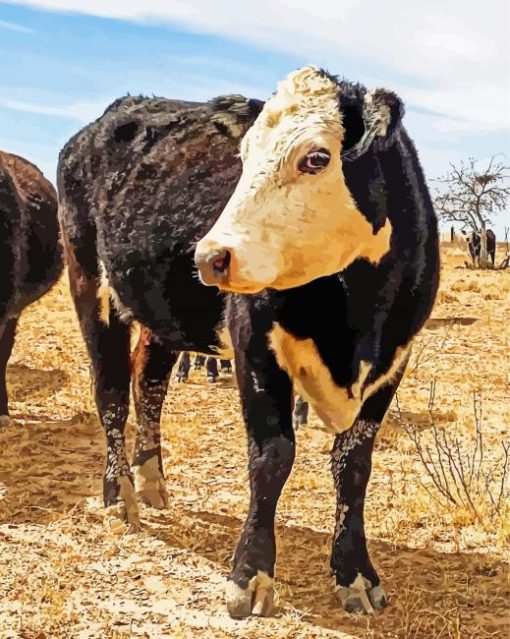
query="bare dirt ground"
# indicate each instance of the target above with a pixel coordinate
(444, 564)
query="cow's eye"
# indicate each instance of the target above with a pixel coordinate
(314, 161)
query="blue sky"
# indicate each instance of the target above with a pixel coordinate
(63, 61)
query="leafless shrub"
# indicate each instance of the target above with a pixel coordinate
(460, 472)
(428, 349)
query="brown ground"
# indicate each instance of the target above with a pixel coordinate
(62, 574)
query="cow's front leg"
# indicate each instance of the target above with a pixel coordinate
(151, 367)
(266, 400)
(357, 582)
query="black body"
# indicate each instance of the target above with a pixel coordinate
(138, 187)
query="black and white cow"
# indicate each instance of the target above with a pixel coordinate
(30, 252)
(474, 242)
(325, 246)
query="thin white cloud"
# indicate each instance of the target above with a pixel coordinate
(457, 50)
(463, 108)
(80, 111)
(191, 87)
(14, 26)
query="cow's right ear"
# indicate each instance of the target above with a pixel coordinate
(255, 105)
(370, 121)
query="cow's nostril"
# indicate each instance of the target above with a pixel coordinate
(221, 263)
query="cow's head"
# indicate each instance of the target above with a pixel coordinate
(292, 217)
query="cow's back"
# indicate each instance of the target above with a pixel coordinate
(97, 155)
(147, 180)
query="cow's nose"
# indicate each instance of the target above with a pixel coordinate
(213, 265)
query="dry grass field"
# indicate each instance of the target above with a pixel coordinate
(64, 575)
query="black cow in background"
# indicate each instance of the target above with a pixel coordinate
(474, 242)
(30, 253)
(325, 246)
(178, 160)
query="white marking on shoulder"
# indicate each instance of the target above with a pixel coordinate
(400, 355)
(337, 406)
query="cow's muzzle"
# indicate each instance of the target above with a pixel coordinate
(213, 265)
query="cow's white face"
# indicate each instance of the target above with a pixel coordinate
(291, 218)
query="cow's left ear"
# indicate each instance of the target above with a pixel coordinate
(232, 115)
(370, 122)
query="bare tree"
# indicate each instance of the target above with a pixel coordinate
(472, 196)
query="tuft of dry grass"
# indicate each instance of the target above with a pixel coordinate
(62, 575)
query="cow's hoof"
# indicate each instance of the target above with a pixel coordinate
(378, 597)
(360, 597)
(119, 519)
(298, 422)
(5, 421)
(150, 484)
(182, 378)
(154, 494)
(123, 516)
(257, 599)
(211, 379)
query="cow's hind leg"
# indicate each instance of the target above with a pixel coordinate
(152, 365)
(108, 344)
(226, 365)
(300, 413)
(357, 582)
(199, 362)
(7, 335)
(184, 366)
(108, 347)
(211, 366)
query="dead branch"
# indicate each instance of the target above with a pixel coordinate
(458, 468)
(471, 196)
(435, 352)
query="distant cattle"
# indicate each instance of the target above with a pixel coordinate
(300, 412)
(210, 363)
(324, 245)
(30, 253)
(474, 242)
